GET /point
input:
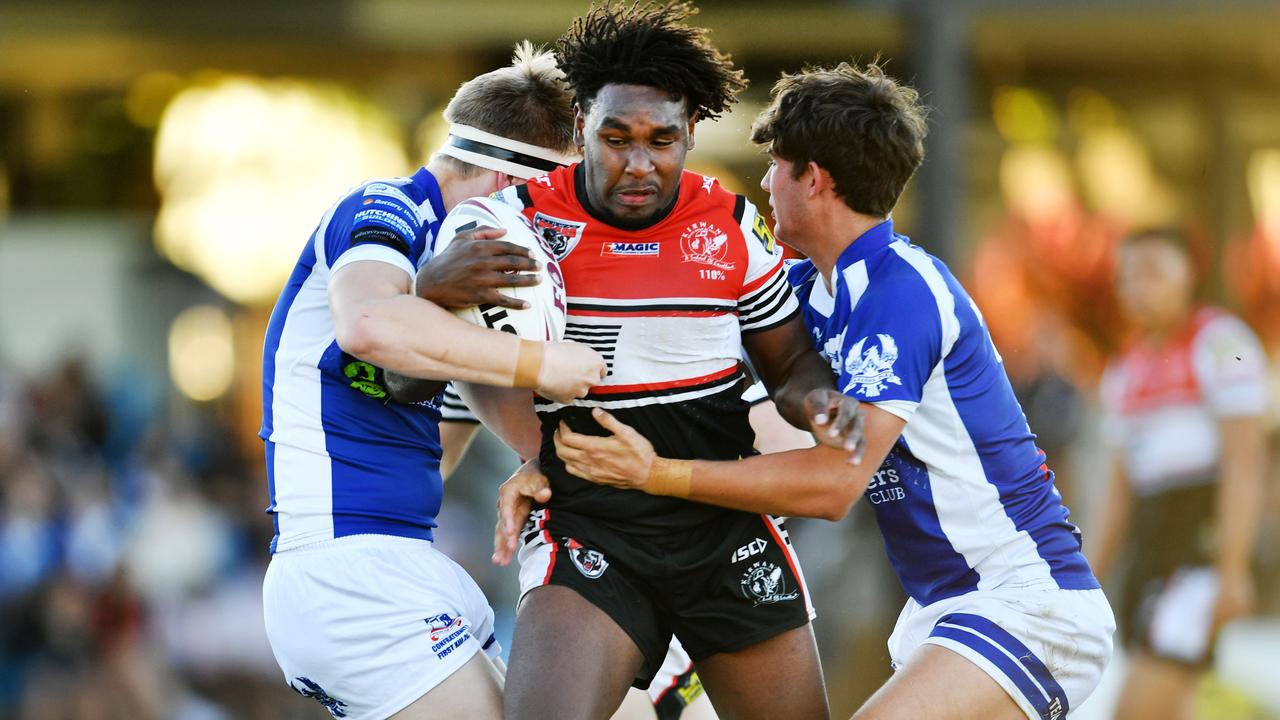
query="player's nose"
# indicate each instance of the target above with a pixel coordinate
(639, 163)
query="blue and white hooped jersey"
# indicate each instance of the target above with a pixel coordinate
(341, 459)
(964, 499)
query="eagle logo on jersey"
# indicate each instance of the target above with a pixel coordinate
(871, 370)
(560, 235)
(705, 243)
(764, 583)
(590, 563)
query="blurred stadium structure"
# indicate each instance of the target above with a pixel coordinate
(162, 163)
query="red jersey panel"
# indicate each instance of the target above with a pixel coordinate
(666, 306)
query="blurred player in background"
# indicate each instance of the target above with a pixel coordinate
(1005, 619)
(362, 613)
(1185, 403)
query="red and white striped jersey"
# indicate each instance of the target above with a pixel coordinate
(666, 305)
(1163, 403)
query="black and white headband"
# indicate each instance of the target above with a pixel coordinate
(493, 152)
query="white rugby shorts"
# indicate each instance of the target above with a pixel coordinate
(1046, 647)
(367, 624)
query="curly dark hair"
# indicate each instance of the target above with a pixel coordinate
(858, 124)
(648, 43)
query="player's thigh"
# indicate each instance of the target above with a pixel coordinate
(1156, 688)
(473, 691)
(635, 706)
(940, 684)
(777, 678)
(569, 659)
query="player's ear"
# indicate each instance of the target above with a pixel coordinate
(505, 181)
(818, 179)
(579, 126)
(693, 121)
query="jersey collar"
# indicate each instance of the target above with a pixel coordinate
(425, 181)
(867, 244)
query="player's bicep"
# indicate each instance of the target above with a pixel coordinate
(355, 285)
(882, 429)
(775, 352)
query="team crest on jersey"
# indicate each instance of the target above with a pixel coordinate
(590, 563)
(703, 242)
(312, 689)
(560, 235)
(764, 583)
(870, 368)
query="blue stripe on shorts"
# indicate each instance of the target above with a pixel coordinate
(1002, 649)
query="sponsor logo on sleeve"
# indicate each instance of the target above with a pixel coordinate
(704, 243)
(870, 366)
(390, 191)
(760, 229)
(382, 217)
(560, 235)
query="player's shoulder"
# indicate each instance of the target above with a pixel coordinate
(1215, 324)
(703, 194)
(1227, 343)
(556, 188)
(384, 198)
(906, 276)
(703, 197)
(800, 272)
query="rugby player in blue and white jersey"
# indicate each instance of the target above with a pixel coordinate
(362, 613)
(1005, 619)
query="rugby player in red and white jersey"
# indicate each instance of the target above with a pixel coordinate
(1185, 404)
(668, 275)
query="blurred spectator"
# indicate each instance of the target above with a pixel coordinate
(1185, 404)
(130, 585)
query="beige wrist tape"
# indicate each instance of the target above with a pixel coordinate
(670, 477)
(528, 364)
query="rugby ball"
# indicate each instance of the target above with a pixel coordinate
(545, 317)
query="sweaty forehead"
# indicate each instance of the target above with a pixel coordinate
(637, 108)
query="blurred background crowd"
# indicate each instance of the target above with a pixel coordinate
(161, 165)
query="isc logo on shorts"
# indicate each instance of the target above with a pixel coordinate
(755, 547)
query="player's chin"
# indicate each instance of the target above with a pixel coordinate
(636, 215)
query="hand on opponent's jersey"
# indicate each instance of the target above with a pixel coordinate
(473, 267)
(623, 460)
(836, 420)
(515, 500)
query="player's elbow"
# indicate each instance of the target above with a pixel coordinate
(837, 506)
(833, 485)
(360, 333)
